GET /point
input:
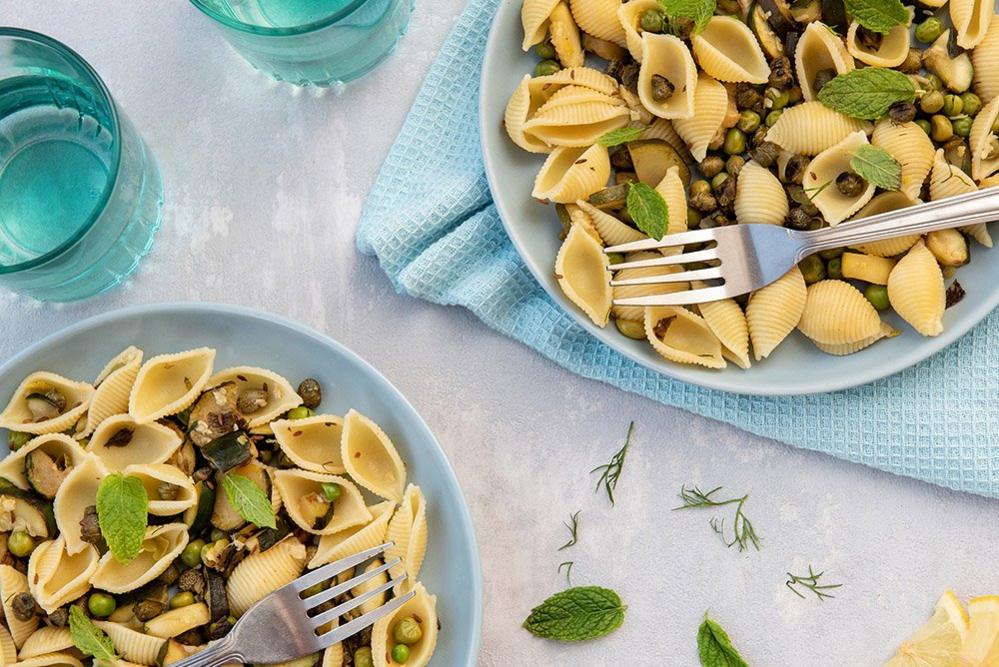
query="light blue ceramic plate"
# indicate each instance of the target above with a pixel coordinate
(796, 367)
(451, 569)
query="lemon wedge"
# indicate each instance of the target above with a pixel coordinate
(981, 645)
(956, 612)
(937, 643)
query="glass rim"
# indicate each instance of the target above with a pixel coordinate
(45, 40)
(252, 28)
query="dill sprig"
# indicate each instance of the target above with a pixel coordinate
(572, 525)
(810, 582)
(611, 472)
(743, 533)
(568, 571)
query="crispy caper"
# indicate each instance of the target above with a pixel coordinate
(711, 166)
(902, 112)
(780, 73)
(662, 88)
(734, 165)
(822, 77)
(251, 400)
(311, 393)
(850, 184)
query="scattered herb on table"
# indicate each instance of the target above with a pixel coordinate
(714, 648)
(610, 473)
(743, 533)
(577, 614)
(811, 583)
(573, 527)
(567, 566)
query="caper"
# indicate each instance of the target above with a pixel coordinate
(773, 117)
(925, 124)
(813, 269)
(407, 631)
(780, 73)
(878, 296)
(547, 68)
(167, 491)
(953, 106)
(797, 219)
(913, 62)
(834, 267)
(778, 98)
(929, 30)
(662, 88)
(17, 439)
(630, 328)
(545, 50)
(962, 126)
(932, 101)
(766, 153)
(942, 129)
(794, 95)
(362, 657)
(794, 170)
(182, 599)
(749, 121)
(822, 77)
(902, 112)
(711, 166)
(734, 165)
(251, 400)
(735, 141)
(850, 184)
(972, 103)
(311, 392)
(652, 20)
(704, 202)
(20, 544)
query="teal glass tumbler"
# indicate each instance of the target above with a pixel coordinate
(323, 43)
(80, 194)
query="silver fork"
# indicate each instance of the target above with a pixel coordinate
(752, 256)
(279, 627)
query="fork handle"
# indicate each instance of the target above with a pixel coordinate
(216, 654)
(968, 209)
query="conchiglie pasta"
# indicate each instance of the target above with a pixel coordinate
(134, 646)
(46, 403)
(63, 452)
(112, 388)
(120, 442)
(534, 15)
(160, 547)
(883, 203)
(599, 18)
(760, 196)
(280, 396)
(728, 323)
(630, 14)
(423, 606)
(842, 349)
(583, 273)
(577, 125)
(984, 143)
(637, 313)
(13, 583)
(178, 621)
(611, 230)
(985, 59)
(812, 127)
(819, 49)
(836, 313)
(710, 108)
(728, 51)
(260, 574)
(892, 51)
(911, 147)
(570, 174)
(820, 180)
(48, 639)
(77, 492)
(664, 130)
(51, 660)
(916, 290)
(773, 312)
(680, 335)
(356, 539)
(518, 110)
(667, 56)
(305, 503)
(946, 180)
(8, 651)
(407, 530)
(674, 193)
(312, 443)
(370, 457)
(971, 19)
(564, 35)
(378, 599)
(156, 477)
(169, 383)
(56, 577)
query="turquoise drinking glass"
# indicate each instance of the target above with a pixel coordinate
(323, 43)
(80, 195)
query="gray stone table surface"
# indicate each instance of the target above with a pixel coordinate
(264, 188)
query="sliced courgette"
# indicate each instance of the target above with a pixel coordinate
(24, 510)
(806, 11)
(199, 515)
(613, 197)
(172, 651)
(228, 451)
(178, 621)
(779, 16)
(834, 15)
(215, 596)
(653, 158)
(224, 515)
(768, 39)
(44, 474)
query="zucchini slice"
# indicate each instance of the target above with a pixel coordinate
(769, 40)
(653, 158)
(228, 451)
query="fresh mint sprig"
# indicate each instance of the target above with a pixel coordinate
(122, 513)
(577, 614)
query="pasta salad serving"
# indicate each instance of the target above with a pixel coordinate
(658, 116)
(144, 512)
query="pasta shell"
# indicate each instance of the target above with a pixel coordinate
(300, 487)
(669, 57)
(312, 443)
(120, 442)
(8, 651)
(570, 174)
(599, 18)
(424, 607)
(577, 125)
(947, 180)
(820, 178)
(564, 36)
(983, 142)
(281, 396)
(134, 646)
(48, 639)
(49, 660)
(12, 583)
(370, 457)
(356, 539)
(544, 87)
(818, 49)
(578, 216)
(169, 383)
(836, 313)
(682, 336)
(637, 313)
(675, 195)
(773, 312)
(884, 202)
(57, 446)
(583, 273)
(610, 229)
(56, 577)
(572, 95)
(971, 19)
(161, 545)
(710, 108)
(178, 621)
(518, 110)
(112, 388)
(333, 655)
(727, 50)
(911, 146)
(153, 476)
(259, 574)
(374, 582)
(917, 292)
(407, 530)
(19, 414)
(630, 14)
(663, 129)
(892, 52)
(812, 127)
(728, 323)
(76, 493)
(849, 348)
(985, 59)
(760, 196)
(534, 16)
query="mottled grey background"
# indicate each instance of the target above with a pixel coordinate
(264, 188)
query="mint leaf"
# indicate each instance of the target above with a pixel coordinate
(622, 135)
(698, 11)
(249, 500)
(577, 614)
(867, 93)
(715, 648)
(648, 210)
(876, 166)
(89, 638)
(878, 15)
(122, 506)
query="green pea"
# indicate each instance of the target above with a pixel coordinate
(735, 141)
(929, 30)
(878, 296)
(615, 258)
(693, 217)
(834, 268)
(547, 68)
(652, 20)
(962, 126)
(630, 328)
(400, 653)
(932, 101)
(362, 657)
(942, 129)
(699, 187)
(749, 121)
(20, 544)
(101, 605)
(953, 106)
(718, 181)
(773, 117)
(545, 50)
(301, 412)
(332, 491)
(925, 124)
(778, 98)
(315, 589)
(813, 269)
(182, 599)
(972, 103)
(218, 535)
(407, 631)
(934, 82)
(191, 555)
(17, 439)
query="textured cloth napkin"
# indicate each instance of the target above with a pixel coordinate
(430, 221)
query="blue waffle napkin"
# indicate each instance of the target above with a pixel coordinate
(430, 221)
